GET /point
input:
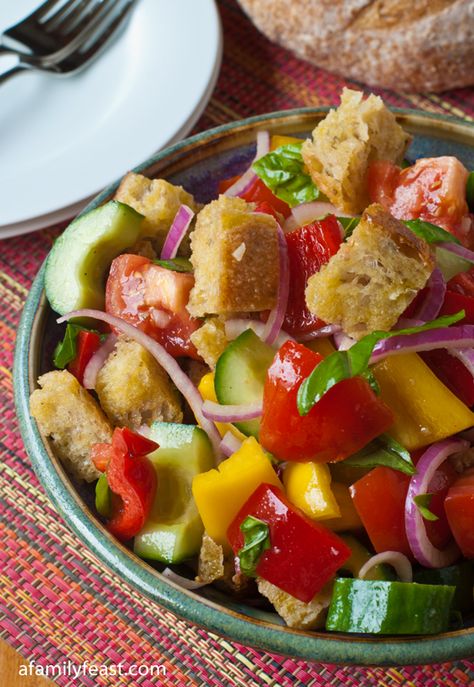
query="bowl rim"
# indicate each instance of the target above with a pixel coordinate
(307, 645)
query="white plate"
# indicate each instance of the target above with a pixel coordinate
(63, 140)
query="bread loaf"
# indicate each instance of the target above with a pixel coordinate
(404, 45)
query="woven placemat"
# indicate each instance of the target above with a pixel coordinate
(57, 602)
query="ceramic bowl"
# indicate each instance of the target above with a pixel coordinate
(198, 163)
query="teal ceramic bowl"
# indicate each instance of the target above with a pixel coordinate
(198, 163)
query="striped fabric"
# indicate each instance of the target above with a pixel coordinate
(57, 602)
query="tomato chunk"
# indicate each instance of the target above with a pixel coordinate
(309, 248)
(459, 505)
(433, 189)
(347, 417)
(153, 299)
(303, 555)
(379, 498)
(87, 344)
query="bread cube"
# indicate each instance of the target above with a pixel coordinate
(296, 613)
(211, 560)
(346, 141)
(210, 340)
(235, 258)
(134, 390)
(71, 418)
(156, 199)
(373, 277)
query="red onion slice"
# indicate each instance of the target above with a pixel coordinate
(466, 356)
(290, 224)
(308, 212)
(181, 581)
(230, 444)
(235, 327)
(422, 549)
(231, 413)
(446, 337)
(97, 361)
(459, 250)
(177, 232)
(277, 314)
(163, 358)
(433, 301)
(248, 177)
(397, 560)
(343, 342)
(327, 330)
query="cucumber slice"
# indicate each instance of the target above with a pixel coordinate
(359, 556)
(389, 608)
(174, 529)
(451, 264)
(240, 375)
(77, 264)
(460, 576)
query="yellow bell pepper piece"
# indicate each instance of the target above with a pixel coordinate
(308, 486)
(278, 141)
(323, 346)
(349, 519)
(207, 391)
(220, 493)
(359, 556)
(425, 409)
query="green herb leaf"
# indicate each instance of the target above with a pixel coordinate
(470, 191)
(175, 265)
(383, 451)
(66, 349)
(430, 232)
(369, 377)
(348, 224)
(283, 171)
(103, 496)
(256, 541)
(405, 163)
(422, 502)
(342, 365)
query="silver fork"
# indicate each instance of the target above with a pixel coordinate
(53, 30)
(93, 39)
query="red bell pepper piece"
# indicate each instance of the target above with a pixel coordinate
(452, 372)
(257, 192)
(268, 210)
(87, 343)
(463, 283)
(309, 248)
(303, 555)
(347, 417)
(379, 498)
(454, 302)
(131, 477)
(459, 506)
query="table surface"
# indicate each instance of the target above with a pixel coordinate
(57, 602)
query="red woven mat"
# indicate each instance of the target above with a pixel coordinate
(58, 603)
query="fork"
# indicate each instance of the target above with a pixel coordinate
(53, 30)
(93, 39)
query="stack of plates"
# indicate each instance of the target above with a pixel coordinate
(63, 139)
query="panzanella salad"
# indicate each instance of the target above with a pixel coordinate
(276, 388)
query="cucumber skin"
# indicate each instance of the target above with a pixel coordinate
(173, 540)
(460, 575)
(74, 252)
(233, 369)
(390, 608)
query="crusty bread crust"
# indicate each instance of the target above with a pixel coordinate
(404, 45)
(373, 277)
(296, 613)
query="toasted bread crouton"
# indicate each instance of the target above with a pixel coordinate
(134, 390)
(373, 277)
(463, 460)
(211, 560)
(235, 259)
(210, 340)
(71, 418)
(346, 141)
(156, 199)
(296, 613)
(145, 248)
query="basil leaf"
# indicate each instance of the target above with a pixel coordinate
(283, 171)
(66, 349)
(430, 232)
(422, 502)
(383, 451)
(369, 377)
(175, 265)
(256, 541)
(342, 365)
(348, 224)
(470, 191)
